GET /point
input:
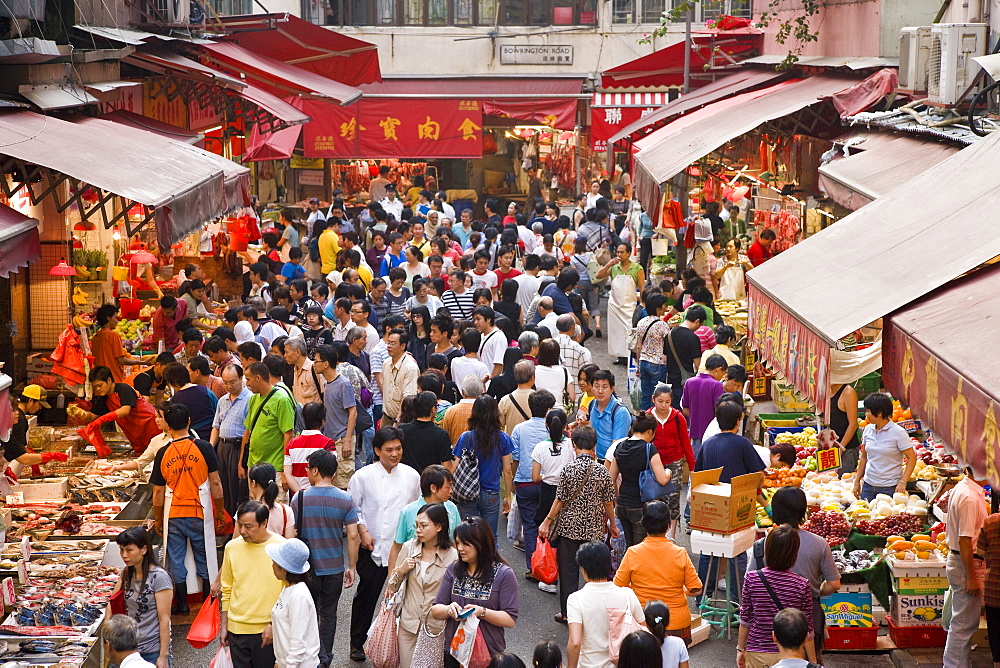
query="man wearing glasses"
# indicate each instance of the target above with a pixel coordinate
(227, 435)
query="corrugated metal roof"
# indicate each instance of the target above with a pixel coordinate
(906, 122)
(850, 62)
(57, 96)
(123, 35)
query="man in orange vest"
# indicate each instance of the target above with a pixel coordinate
(189, 470)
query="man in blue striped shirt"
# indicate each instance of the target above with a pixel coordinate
(227, 435)
(322, 513)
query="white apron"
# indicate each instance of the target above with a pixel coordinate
(211, 553)
(621, 306)
(732, 285)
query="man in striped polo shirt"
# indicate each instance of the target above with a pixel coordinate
(322, 513)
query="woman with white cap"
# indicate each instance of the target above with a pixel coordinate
(293, 617)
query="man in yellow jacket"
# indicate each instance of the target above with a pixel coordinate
(249, 589)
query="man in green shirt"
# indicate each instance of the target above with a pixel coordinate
(270, 420)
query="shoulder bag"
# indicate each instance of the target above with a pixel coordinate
(686, 374)
(634, 340)
(518, 407)
(429, 650)
(620, 624)
(649, 488)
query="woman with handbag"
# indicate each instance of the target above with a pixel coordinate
(626, 279)
(631, 458)
(480, 584)
(650, 332)
(766, 592)
(552, 376)
(418, 573)
(148, 592)
(674, 445)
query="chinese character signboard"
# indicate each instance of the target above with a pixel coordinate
(827, 459)
(386, 128)
(794, 350)
(606, 122)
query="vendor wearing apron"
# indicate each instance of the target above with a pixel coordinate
(118, 402)
(185, 486)
(15, 450)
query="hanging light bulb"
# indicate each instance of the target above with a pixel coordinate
(116, 235)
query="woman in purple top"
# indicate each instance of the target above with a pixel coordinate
(768, 591)
(480, 580)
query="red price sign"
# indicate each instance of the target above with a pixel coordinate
(827, 459)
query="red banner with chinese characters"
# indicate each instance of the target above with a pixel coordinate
(392, 129)
(791, 348)
(605, 122)
(558, 113)
(957, 411)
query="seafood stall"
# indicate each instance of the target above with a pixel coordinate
(59, 562)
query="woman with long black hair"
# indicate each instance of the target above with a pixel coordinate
(419, 330)
(149, 591)
(548, 458)
(492, 449)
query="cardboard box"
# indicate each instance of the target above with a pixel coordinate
(848, 610)
(44, 489)
(700, 630)
(723, 507)
(926, 610)
(920, 586)
(786, 399)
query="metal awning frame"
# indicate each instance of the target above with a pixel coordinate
(24, 174)
(222, 100)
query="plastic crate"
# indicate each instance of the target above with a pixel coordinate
(846, 638)
(868, 384)
(772, 433)
(916, 636)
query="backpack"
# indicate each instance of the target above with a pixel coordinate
(465, 488)
(300, 423)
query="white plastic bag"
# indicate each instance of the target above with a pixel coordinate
(464, 640)
(514, 527)
(221, 659)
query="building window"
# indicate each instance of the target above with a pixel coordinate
(650, 11)
(449, 12)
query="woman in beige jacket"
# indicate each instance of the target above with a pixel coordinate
(421, 565)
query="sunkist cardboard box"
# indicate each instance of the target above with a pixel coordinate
(722, 507)
(925, 610)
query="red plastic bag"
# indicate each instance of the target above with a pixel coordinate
(543, 562)
(480, 652)
(206, 625)
(117, 602)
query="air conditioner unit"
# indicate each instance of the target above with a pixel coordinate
(950, 69)
(914, 49)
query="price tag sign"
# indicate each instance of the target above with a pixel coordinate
(7, 588)
(22, 572)
(25, 548)
(827, 459)
(15, 499)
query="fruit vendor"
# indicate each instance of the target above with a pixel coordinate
(118, 402)
(107, 345)
(885, 447)
(15, 450)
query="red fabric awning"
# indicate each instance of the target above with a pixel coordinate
(864, 94)
(665, 67)
(19, 242)
(309, 47)
(275, 76)
(272, 146)
(548, 101)
(274, 105)
(950, 385)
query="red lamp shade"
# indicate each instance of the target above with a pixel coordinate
(142, 257)
(62, 269)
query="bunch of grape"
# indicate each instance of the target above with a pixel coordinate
(828, 524)
(902, 524)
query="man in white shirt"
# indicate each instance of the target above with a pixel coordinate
(548, 316)
(120, 637)
(571, 354)
(341, 319)
(493, 344)
(469, 364)
(391, 204)
(307, 385)
(380, 491)
(447, 209)
(481, 276)
(399, 375)
(360, 312)
(528, 282)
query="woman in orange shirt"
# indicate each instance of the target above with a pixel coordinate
(107, 344)
(657, 569)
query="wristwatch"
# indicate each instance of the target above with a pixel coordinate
(482, 613)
